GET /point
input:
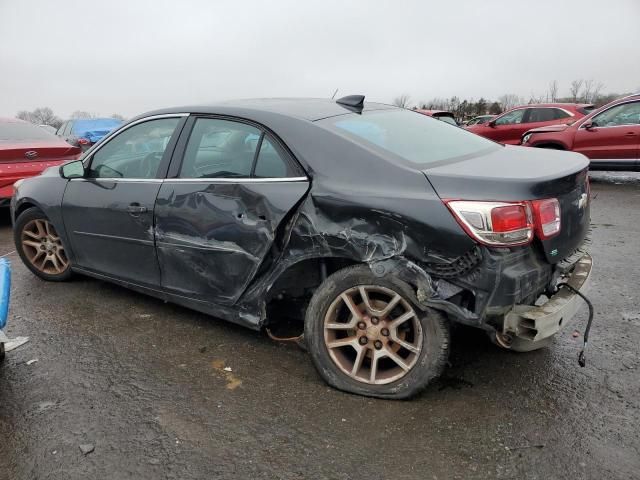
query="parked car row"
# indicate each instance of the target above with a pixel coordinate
(373, 226)
(608, 136)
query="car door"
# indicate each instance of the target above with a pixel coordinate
(612, 136)
(508, 128)
(229, 188)
(109, 212)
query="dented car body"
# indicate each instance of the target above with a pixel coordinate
(244, 210)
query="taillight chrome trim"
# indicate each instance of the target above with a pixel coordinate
(486, 236)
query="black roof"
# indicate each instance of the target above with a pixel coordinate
(303, 108)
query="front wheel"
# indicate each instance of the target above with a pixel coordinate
(40, 247)
(366, 336)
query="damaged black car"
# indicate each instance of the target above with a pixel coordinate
(373, 226)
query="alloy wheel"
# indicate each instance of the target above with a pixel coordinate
(372, 334)
(43, 248)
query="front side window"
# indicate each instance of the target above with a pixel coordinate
(134, 153)
(220, 148)
(411, 136)
(624, 114)
(511, 118)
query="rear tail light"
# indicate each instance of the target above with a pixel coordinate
(546, 214)
(83, 141)
(507, 224)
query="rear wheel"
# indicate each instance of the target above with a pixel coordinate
(40, 247)
(366, 336)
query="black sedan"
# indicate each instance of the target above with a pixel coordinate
(376, 226)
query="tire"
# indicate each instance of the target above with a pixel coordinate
(423, 347)
(44, 254)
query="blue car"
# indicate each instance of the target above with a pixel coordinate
(84, 133)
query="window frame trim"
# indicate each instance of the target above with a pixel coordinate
(173, 173)
(166, 156)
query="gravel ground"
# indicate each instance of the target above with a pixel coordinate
(144, 383)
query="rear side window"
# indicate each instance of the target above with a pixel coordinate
(586, 110)
(271, 162)
(545, 114)
(411, 136)
(22, 132)
(220, 148)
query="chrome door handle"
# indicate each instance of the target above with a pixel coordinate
(136, 208)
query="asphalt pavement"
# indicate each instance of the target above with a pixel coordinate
(128, 387)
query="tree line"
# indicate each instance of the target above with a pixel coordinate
(580, 91)
(45, 116)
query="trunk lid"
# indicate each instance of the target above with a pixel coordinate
(35, 151)
(520, 173)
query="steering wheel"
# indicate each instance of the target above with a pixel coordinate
(149, 165)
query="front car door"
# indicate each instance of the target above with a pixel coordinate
(230, 185)
(109, 213)
(613, 136)
(507, 128)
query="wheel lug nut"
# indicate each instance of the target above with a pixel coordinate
(362, 325)
(385, 332)
(377, 344)
(363, 340)
(375, 320)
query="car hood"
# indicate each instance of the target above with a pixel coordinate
(549, 128)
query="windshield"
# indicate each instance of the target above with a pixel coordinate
(412, 136)
(22, 132)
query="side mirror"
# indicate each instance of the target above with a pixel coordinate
(491, 123)
(73, 169)
(589, 125)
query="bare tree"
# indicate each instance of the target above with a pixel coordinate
(591, 91)
(79, 114)
(509, 100)
(574, 91)
(40, 116)
(553, 91)
(402, 101)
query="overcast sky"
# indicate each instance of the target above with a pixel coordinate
(130, 56)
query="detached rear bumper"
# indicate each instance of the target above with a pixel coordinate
(534, 323)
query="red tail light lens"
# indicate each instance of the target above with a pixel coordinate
(497, 224)
(509, 218)
(507, 224)
(547, 217)
(83, 141)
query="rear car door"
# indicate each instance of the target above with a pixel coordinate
(613, 137)
(230, 186)
(109, 213)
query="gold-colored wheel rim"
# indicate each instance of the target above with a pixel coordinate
(372, 334)
(43, 248)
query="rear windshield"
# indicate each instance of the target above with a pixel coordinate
(96, 124)
(22, 132)
(412, 136)
(446, 118)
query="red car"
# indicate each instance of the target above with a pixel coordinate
(25, 151)
(609, 136)
(443, 115)
(509, 126)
